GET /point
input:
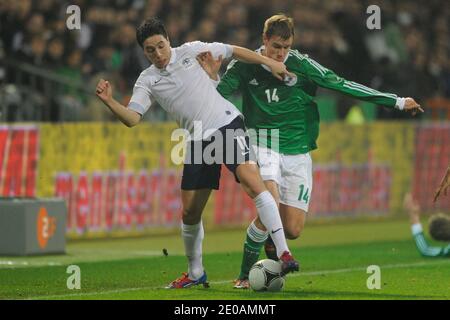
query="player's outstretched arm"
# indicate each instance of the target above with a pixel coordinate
(279, 70)
(444, 186)
(126, 116)
(412, 207)
(326, 78)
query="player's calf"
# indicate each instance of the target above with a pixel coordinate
(270, 249)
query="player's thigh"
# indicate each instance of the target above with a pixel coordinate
(293, 220)
(269, 164)
(194, 201)
(296, 181)
(240, 158)
(197, 182)
(268, 168)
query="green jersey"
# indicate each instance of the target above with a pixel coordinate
(424, 248)
(289, 106)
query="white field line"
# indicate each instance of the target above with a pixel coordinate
(11, 264)
(7, 264)
(300, 274)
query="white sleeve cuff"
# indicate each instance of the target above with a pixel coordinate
(416, 228)
(400, 103)
(228, 52)
(137, 108)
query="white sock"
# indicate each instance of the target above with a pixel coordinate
(256, 234)
(193, 237)
(270, 217)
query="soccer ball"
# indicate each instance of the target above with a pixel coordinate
(265, 276)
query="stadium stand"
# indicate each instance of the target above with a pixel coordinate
(44, 65)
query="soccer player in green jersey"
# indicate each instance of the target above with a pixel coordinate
(286, 108)
(439, 229)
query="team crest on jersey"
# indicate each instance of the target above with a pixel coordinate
(187, 63)
(290, 81)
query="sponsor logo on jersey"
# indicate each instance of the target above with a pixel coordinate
(254, 82)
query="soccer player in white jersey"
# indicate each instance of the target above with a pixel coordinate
(182, 88)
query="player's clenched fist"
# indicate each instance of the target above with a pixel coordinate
(104, 90)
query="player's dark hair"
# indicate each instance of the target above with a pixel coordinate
(279, 25)
(148, 28)
(439, 227)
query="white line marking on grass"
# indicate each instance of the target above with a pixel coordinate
(7, 264)
(301, 274)
(325, 272)
(83, 256)
(118, 252)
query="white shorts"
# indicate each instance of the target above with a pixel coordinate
(292, 173)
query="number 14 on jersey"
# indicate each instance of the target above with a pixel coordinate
(273, 96)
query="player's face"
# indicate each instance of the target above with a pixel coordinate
(157, 50)
(277, 48)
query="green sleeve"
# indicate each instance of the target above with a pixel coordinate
(230, 81)
(428, 251)
(326, 78)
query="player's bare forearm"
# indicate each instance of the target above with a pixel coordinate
(104, 93)
(412, 207)
(128, 117)
(249, 56)
(444, 185)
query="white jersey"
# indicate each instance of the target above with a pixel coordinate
(184, 90)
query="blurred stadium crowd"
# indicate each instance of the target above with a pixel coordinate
(49, 72)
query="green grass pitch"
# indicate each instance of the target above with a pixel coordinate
(334, 260)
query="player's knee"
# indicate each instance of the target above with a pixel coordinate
(191, 216)
(247, 185)
(250, 190)
(253, 187)
(292, 233)
(250, 180)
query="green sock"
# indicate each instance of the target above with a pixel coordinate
(252, 247)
